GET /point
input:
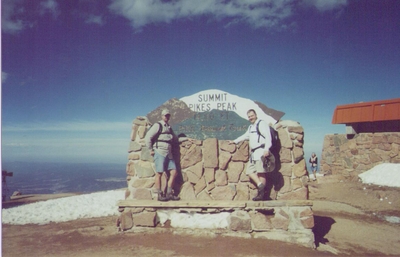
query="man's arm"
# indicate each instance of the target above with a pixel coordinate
(150, 134)
(243, 137)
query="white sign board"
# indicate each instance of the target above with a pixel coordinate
(211, 99)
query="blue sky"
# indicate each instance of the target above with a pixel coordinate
(76, 73)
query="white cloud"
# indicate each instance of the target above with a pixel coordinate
(326, 5)
(14, 16)
(68, 126)
(11, 12)
(94, 19)
(49, 6)
(257, 13)
(74, 141)
(80, 148)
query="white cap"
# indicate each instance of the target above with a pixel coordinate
(165, 112)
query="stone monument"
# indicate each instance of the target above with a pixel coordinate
(211, 169)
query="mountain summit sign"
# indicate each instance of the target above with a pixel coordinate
(213, 114)
(214, 99)
(206, 102)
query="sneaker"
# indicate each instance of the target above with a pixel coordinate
(172, 197)
(162, 198)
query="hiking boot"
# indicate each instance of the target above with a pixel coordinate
(172, 197)
(261, 193)
(162, 198)
(259, 197)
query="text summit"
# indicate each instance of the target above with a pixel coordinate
(218, 100)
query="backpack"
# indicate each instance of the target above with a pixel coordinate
(159, 132)
(274, 136)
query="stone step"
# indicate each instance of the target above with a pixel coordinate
(213, 204)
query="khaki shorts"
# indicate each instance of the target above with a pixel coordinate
(255, 167)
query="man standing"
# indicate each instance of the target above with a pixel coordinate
(259, 137)
(160, 139)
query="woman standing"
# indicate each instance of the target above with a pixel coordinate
(314, 164)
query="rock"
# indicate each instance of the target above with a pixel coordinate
(209, 175)
(285, 155)
(144, 169)
(298, 154)
(125, 221)
(234, 170)
(242, 153)
(307, 218)
(187, 192)
(260, 221)
(133, 156)
(192, 156)
(286, 169)
(130, 168)
(143, 183)
(224, 159)
(299, 169)
(146, 156)
(240, 221)
(200, 185)
(223, 193)
(127, 193)
(210, 187)
(192, 177)
(287, 185)
(281, 219)
(221, 178)
(197, 169)
(300, 194)
(210, 153)
(204, 196)
(134, 147)
(145, 219)
(134, 132)
(142, 194)
(142, 132)
(141, 121)
(225, 146)
(284, 139)
(296, 129)
(242, 192)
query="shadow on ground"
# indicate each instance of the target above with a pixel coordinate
(322, 226)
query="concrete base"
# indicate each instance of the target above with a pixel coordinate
(289, 221)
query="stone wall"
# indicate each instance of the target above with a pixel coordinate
(349, 155)
(289, 221)
(215, 170)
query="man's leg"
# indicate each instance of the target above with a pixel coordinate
(159, 163)
(170, 195)
(172, 176)
(254, 177)
(260, 180)
(157, 182)
(171, 180)
(157, 186)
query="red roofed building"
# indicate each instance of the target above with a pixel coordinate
(372, 137)
(369, 117)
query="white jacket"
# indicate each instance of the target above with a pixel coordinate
(258, 144)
